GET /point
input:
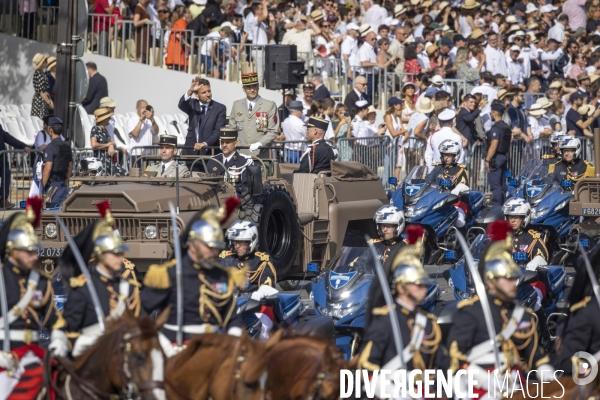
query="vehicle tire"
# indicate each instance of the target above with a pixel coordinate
(278, 231)
(290, 285)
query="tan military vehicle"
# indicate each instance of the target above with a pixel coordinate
(303, 219)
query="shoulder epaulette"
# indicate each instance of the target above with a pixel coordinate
(468, 302)
(435, 164)
(157, 276)
(77, 281)
(262, 256)
(535, 234)
(583, 303)
(225, 253)
(462, 165)
(381, 310)
(133, 282)
(243, 155)
(374, 240)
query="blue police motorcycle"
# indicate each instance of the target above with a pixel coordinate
(340, 292)
(430, 204)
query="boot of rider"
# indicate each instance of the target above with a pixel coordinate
(545, 339)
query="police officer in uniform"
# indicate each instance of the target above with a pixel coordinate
(496, 161)
(571, 167)
(390, 225)
(209, 289)
(318, 155)
(469, 340)
(420, 332)
(555, 156)
(117, 290)
(30, 303)
(58, 164)
(234, 161)
(167, 166)
(255, 117)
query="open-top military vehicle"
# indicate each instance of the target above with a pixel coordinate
(303, 219)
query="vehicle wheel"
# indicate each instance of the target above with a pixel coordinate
(290, 285)
(354, 238)
(278, 230)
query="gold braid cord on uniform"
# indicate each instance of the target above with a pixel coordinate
(429, 345)
(461, 173)
(33, 304)
(211, 300)
(589, 171)
(133, 302)
(157, 276)
(256, 276)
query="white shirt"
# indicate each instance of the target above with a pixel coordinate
(259, 30)
(210, 39)
(537, 126)
(557, 32)
(423, 60)
(165, 166)
(143, 139)
(452, 53)
(515, 72)
(363, 129)
(432, 153)
(253, 102)
(294, 130)
(367, 53)
(350, 48)
(547, 59)
(418, 32)
(329, 134)
(375, 16)
(492, 94)
(495, 61)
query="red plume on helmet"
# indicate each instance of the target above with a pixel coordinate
(103, 208)
(414, 233)
(230, 207)
(498, 230)
(35, 204)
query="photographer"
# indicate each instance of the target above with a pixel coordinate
(58, 164)
(141, 129)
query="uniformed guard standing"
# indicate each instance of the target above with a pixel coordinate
(58, 164)
(515, 326)
(30, 303)
(117, 290)
(209, 294)
(496, 159)
(167, 167)
(571, 168)
(318, 155)
(255, 117)
(234, 161)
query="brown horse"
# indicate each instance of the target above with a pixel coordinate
(304, 367)
(126, 362)
(220, 366)
(563, 388)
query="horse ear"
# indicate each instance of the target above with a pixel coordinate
(162, 318)
(274, 339)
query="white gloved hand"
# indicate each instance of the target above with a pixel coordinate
(234, 331)
(545, 373)
(8, 361)
(255, 146)
(460, 188)
(538, 261)
(59, 345)
(262, 292)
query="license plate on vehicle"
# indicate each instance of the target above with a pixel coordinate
(51, 252)
(591, 211)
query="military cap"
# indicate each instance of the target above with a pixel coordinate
(228, 132)
(318, 123)
(168, 140)
(250, 79)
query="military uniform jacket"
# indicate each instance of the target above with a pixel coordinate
(531, 242)
(236, 161)
(258, 125)
(40, 308)
(170, 171)
(261, 272)
(387, 247)
(209, 295)
(316, 158)
(582, 333)
(573, 171)
(455, 173)
(378, 342)
(79, 311)
(469, 329)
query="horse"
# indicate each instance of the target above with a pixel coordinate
(127, 361)
(220, 366)
(563, 388)
(302, 367)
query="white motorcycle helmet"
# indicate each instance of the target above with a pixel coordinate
(518, 208)
(92, 166)
(243, 231)
(449, 146)
(557, 136)
(391, 215)
(570, 142)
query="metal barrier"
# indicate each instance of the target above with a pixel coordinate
(110, 166)
(16, 177)
(379, 153)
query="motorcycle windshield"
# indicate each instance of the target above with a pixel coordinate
(415, 182)
(477, 248)
(528, 169)
(538, 184)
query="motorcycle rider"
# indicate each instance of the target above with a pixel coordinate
(453, 174)
(390, 225)
(555, 139)
(528, 247)
(571, 167)
(470, 344)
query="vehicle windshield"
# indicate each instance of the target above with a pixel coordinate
(355, 259)
(538, 183)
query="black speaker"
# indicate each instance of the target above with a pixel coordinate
(275, 54)
(290, 73)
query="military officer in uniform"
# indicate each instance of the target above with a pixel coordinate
(116, 289)
(469, 340)
(209, 289)
(318, 155)
(496, 158)
(571, 168)
(234, 161)
(255, 117)
(167, 166)
(390, 225)
(419, 330)
(30, 303)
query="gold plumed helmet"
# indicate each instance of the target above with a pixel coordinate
(21, 235)
(208, 226)
(497, 261)
(407, 266)
(106, 238)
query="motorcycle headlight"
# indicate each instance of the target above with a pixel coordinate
(465, 296)
(561, 205)
(50, 230)
(322, 310)
(411, 212)
(539, 213)
(439, 204)
(150, 232)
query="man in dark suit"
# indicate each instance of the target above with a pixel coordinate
(97, 89)
(206, 117)
(5, 139)
(321, 92)
(283, 111)
(318, 154)
(359, 93)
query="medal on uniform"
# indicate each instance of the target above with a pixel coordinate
(261, 121)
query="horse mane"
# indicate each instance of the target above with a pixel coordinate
(200, 341)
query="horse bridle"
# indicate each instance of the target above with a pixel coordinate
(314, 373)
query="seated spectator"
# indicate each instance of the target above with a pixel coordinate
(141, 129)
(104, 147)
